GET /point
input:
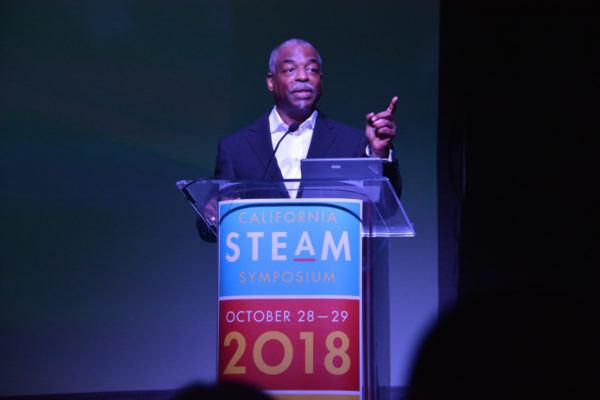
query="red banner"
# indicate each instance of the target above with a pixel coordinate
(291, 344)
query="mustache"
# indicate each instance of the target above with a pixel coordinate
(303, 86)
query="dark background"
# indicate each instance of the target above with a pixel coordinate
(518, 107)
(105, 285)
(106, 104)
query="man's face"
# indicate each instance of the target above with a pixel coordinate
(296, 84)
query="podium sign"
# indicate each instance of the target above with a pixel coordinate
(303, 283)
(290, 298)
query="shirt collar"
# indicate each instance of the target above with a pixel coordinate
(276, 124)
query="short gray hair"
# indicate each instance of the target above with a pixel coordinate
(275, 52)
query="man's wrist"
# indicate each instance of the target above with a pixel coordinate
(385, 154)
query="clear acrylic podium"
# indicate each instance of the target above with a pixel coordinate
(381, 217)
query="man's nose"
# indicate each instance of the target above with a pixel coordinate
(301, 75)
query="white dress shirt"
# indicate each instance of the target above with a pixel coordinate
(293, 148)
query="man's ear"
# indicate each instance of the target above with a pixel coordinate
(270, 81)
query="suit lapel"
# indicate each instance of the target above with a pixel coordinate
(259, 142)
(323, 137)
(261, 145)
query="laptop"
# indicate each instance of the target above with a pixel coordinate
(341, 177)
(341, 168)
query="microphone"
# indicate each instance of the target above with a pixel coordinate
(292, 128)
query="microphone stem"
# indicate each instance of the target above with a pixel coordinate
(273, 155)
(292, 128)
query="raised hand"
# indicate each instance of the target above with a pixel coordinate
(381, 129)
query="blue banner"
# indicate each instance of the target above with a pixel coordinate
(290, 247)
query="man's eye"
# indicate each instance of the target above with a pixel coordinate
(290, 69)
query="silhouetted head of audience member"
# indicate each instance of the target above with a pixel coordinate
(521, 344)
(221, 390)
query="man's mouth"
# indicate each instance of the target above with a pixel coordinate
(302, 93)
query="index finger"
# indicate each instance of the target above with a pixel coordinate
(392, 107)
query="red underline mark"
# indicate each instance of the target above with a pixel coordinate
(304, 259)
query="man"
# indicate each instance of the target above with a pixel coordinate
(295, 79)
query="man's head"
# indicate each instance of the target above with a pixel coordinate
(294, 78)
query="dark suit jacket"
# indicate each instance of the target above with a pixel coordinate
(245, 154)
